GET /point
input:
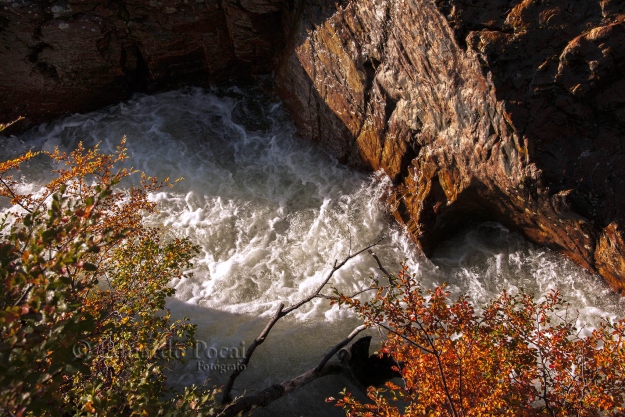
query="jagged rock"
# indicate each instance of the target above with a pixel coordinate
(502, 110)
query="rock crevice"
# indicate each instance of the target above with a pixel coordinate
(501, 110)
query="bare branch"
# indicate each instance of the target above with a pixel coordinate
(281, 312)
(334, 269)
(380, 267)
(250, 351)
(272, 393)
(338, 347)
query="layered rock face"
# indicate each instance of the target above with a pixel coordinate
(477, 109)
(506, 110)
(79, 55)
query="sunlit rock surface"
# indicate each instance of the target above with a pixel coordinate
(512, 111)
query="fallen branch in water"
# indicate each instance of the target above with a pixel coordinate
(281, 312)
(272, 393)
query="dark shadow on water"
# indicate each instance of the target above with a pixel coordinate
(223, 336)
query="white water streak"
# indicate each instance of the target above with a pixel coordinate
(271, 215)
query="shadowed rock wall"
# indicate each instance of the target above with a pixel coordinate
(477, 109)
(78, 55)
(504, 110)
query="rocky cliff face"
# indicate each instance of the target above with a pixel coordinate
(79, 55)
(477, 109)
(505, 110)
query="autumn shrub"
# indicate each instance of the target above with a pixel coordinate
(83, 323)
(517, 356)
(84, 328)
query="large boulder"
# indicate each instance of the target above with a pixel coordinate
(485, 109)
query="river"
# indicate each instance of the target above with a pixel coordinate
(271, 214)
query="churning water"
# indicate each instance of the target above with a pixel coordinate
(271, 214)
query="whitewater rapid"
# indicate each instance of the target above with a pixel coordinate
(271, 214)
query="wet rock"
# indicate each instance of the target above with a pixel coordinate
(501, 110)
(491, 110)
(368, 369)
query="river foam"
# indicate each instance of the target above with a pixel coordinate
(271, 214)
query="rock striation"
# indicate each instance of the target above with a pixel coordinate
(511, 111)
(506, 110)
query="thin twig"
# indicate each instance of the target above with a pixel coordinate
(6, 125)
(24, 294)
(412, 342)
(14, 196)
(357, 293)
(380, 267)
(334, 269)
